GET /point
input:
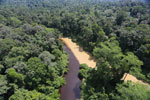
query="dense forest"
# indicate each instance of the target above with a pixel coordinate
(33, 62)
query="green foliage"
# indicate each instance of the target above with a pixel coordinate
(15, 22)
(62, 61)
(18, 51)
(6, 45)
(36, 72)
(23, 94)
(47, 58)
(34, 49)
(121, 16)
(137, 10)
(57, 53)
(30, 29)
(83, 73)
(99, 34)
(136, 71)
(132, 91)
(20, 67)
(90, 93)
(1, 68)
(50, 91)
(14, 77)
(144, 54)
(107, 50)
(113, 64)
(50, 29)
(2, 19)
(3, 84)
(10, 62)
(15, 55)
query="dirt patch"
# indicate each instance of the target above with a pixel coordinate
(82, 56)
(132, 78)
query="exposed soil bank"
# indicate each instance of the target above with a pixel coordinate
(132, 78)
(82, 56)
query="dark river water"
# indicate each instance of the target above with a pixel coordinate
(71, 90)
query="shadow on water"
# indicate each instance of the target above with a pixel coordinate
(77, 90)
(71, 90)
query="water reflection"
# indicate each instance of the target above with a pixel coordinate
(71, 90)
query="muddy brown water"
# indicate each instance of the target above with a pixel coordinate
(71, 90)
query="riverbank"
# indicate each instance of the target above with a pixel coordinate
(129, 77)
(82, 56)
(85, 58)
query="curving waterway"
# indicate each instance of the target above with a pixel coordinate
(77, 56)
(71, 90)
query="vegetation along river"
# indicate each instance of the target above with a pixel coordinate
(77, 56)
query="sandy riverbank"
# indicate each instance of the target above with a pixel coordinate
(85, 58)
(132, 78)
(82, 56)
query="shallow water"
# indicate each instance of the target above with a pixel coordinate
(71, 90)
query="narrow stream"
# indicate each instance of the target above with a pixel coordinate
(71, 90)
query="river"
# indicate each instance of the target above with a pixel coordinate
(71, 90)
(77, 56)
